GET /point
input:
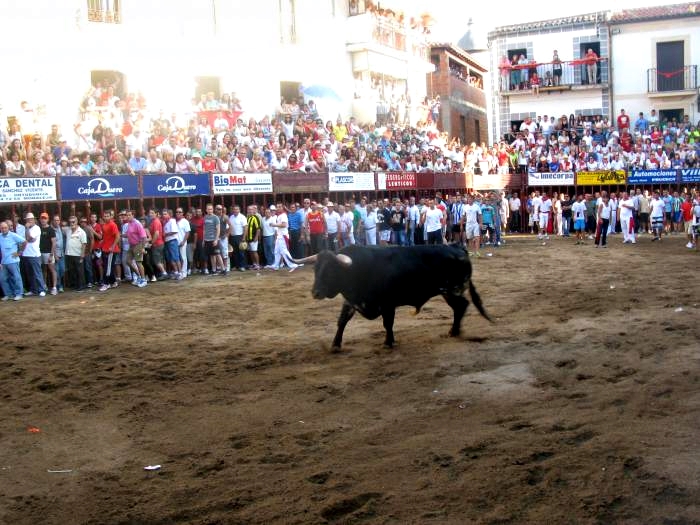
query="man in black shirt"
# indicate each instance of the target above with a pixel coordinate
(383, 222)
(47, 247)
(398, 224)
(566, 204)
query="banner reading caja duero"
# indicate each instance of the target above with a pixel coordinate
(175, 185)
(600, 177)
(562, 178)
(652, 177)
(690, 175)
(237, 183)
(27, 189)
(107, 187)
(396, 180)
(350, 181)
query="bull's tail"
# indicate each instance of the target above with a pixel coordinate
(476, 299)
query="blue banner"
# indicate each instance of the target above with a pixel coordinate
(107, 187)
(652, 177)
(690, 175)
(175, 185)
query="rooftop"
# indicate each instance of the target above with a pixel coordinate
(589, 18)
(643, 14)
(460, 53)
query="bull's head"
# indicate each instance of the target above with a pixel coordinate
(330, 273)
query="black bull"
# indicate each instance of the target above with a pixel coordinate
(374, 280)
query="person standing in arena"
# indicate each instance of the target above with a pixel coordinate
(578, 210)
(657, 207)
(626, 211)
(316, 226)
(210, 237)
(111, 239)
(432, 220)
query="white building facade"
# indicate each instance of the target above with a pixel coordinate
(654, 61)
(172, 50)
(514, 98)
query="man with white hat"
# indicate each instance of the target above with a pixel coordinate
(31, 257)
(332, 221)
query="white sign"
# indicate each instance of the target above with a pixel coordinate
(563, 178)
(237, 183)
(27, 189)
(350, 181)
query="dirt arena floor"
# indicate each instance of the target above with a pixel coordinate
(580, 405)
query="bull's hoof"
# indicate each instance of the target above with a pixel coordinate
(388, 346)
(335, 349)
(453, 333)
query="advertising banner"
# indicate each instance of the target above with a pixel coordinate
(239, 183)
(171, 185)
(107, 187)
(690, 175)
(564, 178)
(652, 176)
(350, 181)
(600, 177)
(27, 189)
(402, 180)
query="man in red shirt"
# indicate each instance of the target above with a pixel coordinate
(197, 225)
(157, 243)
(687, 214)
(316, 226)
(111, 240)
(96, 229)
(623, 121)
(591, 61)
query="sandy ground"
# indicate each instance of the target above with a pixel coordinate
(581, 404)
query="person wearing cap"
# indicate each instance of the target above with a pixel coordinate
(11, 245)
(315, 224)
(47, 248)
(31, 257)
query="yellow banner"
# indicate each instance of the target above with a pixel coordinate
(594, 178)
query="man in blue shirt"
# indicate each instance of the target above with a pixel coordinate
(641, 125)
(296, 221)
(137, 163)
(11, 246)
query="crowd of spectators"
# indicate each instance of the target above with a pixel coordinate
(591, 143)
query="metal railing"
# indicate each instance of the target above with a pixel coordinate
(659, 80)
(570, 73)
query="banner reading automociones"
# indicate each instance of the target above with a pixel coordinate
(600, 177)
(652, 177)
(238, 183)
(109, 187)
(27, 189)
(172, 185)
(564, 178)
(350, 181)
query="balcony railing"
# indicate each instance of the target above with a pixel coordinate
(659, 80)
(367, 28)
(515, 79)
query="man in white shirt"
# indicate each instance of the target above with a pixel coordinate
(31, 257)
(413, 220)
(657, 216)
(345, 226)
(154, 164)
(535, 215)
(473, 225)
(183, 234)
(578, 212)
(545, 206)
(369, 222)
(240, 162)
(282, 254)
(279, 163)
(332, 219)
(626, 210)
(514, 205)
(432, 223)
(239, 226)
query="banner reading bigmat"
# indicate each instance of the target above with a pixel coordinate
(27, 189)
(350, 181)
(180, 185)
(108, 187)
(602, 177)
(563, 178)
(237, 183)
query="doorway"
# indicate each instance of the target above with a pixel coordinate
(669, 66)
(290, 92)
(595, 46)
(669, 115)
(108, 78)
(206, 85)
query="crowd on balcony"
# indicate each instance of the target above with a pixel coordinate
(518, 73)
(591, 143)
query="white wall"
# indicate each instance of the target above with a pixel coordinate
(543, 46)
(556, 103)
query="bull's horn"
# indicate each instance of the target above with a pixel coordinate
(306, 260)
(344, 260)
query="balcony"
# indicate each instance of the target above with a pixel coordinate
(107, 11)
(574, 75)
(367, 32)
(662, 83)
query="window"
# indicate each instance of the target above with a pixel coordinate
(288, 22)
(109, 11)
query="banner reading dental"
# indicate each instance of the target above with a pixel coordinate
(107, 187)
(27, 189)
(600, 177)
(350, 181)
(180, 185)
(652, 177)
(564, 178)
(238, 183)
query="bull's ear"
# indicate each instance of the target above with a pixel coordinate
(344, 260)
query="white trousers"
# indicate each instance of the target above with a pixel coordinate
(282, 254)
(183, 258)
(627, 235)
(371, 236)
